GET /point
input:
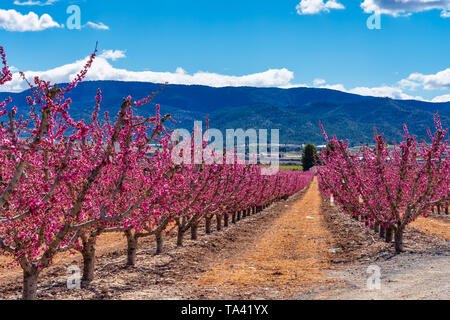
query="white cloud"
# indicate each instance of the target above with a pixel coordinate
(382, 91)
(98, 26)
(444, 98)
(319, 82)
(113, 54)
(317, 6)
(437, 81)
(103, 70)
(180, 70)
(398, 8)
(445, 14)
(11, 20)
(35, 3)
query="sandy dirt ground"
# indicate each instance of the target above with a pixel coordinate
(300, 248)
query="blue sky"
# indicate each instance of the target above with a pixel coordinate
(316, 43)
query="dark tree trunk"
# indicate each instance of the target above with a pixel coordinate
(208, 225)
(219, 222)
(180, 235)
(244, 214)
(382, 231)
(30, 280)
(194, 228)
(132, 243)
(376, 227)
(238, 217)
(226, 219)
(159, 242)
(389, 231)
(88, 254)
(446, 210)
(399, 240)
(439, 209)
(233, 218)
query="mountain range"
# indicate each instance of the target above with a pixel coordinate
(296, 111)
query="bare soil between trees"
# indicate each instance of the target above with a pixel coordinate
(300, 248)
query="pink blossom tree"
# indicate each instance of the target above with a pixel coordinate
(55, 173)
(388, 188)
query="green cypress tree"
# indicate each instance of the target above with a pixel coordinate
(309, 157)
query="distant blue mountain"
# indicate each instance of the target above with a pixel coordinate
(296, 112)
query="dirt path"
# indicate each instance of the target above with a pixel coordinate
(291, 255)
(421, 272)
(431, 225)
(404, 277)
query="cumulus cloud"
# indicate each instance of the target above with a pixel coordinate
(381, 91)
(398, 8)
(103, 70)
(445, 14)
(35, 3)
(113, 54)
(318, 82)
(437, 81)
(11, 20)
(384, 91)
(98, 26)
(443, 98)
(317, 6)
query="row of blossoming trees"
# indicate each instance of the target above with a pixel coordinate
(388, 188)
(63, 182)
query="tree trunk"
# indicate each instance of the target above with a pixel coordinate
(180, 234)
(382, 231)
(233, 218)
(244, 213)
(132, 243)
(376, 227)
(194, 228)
(238, 218)
(389, 234)
(439, 209)
(30, 284)
(446, 210)
(159, 242)
(226, 219)
(399, 240)
(208, 225)
(88, 254)
(365, 220)
(219, 222)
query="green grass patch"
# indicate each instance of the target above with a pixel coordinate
(291, 168)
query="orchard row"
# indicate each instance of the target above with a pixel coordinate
(386, 187)
(63, 182)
